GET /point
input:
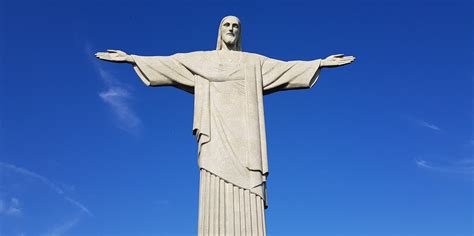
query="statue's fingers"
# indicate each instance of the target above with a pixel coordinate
(348, 59)
(338, 55)
(116, 51)
(351, 58)
(101, 54)
(348, 62)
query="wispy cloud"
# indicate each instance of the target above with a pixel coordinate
(31, 174)
(77, 204)
(463, 166)
(116, 96)
(45, 181)
(10, 208)
(428, 125)
(423, 164)
(61, 229)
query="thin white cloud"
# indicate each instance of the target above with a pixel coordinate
(10, 208)
(428, 125)
(77, 204)
(423, 164)
(463, 166)
(45, 181)
(116, 96)
(28, 173)
(62, 229)
(106, 76)
(67, 187)
(14, 208)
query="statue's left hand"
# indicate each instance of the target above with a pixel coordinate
(337, 60)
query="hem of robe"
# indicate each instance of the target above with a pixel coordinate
(227, 209)
(139, 72)
(316, 73)
(259, 190)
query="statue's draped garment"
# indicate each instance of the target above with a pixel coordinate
(229, 127)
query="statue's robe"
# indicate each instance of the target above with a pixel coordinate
(229, 127)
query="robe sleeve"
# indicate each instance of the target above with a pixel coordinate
(280, 75)
(175, 70)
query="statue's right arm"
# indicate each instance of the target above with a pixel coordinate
(157, 70)
(116, 56)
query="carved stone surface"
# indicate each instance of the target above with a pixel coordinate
(228, 87)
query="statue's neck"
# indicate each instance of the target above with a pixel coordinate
(228, 47)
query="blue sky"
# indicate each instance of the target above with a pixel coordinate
(382, 147)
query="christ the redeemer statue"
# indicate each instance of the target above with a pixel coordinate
(228, 87)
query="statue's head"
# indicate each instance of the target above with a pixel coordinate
(230, 34)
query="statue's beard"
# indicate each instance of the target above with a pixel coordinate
(228, 39)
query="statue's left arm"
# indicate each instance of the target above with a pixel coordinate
(280, 75)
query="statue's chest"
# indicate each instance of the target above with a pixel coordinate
(224, 71)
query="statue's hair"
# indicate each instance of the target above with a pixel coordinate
(239, 37)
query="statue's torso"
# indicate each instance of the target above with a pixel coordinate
(227, 148)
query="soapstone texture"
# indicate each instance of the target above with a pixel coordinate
(228, 87)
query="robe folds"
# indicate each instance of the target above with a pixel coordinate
(228, 106)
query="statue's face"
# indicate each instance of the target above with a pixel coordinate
(230, 30)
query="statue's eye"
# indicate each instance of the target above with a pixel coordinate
(226, 24)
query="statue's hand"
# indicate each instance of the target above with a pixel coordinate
(114, 56)
(337, 60)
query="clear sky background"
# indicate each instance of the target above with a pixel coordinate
(382, 147)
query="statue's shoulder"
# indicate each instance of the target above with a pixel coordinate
(253, 55)
(213, 53)
(196, 56)
(209, 55)
(194, 53)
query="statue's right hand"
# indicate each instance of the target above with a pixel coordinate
(114, 56)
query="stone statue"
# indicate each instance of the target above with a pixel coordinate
(228, 87)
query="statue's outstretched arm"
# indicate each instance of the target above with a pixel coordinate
(337, 60)
(116, 56)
